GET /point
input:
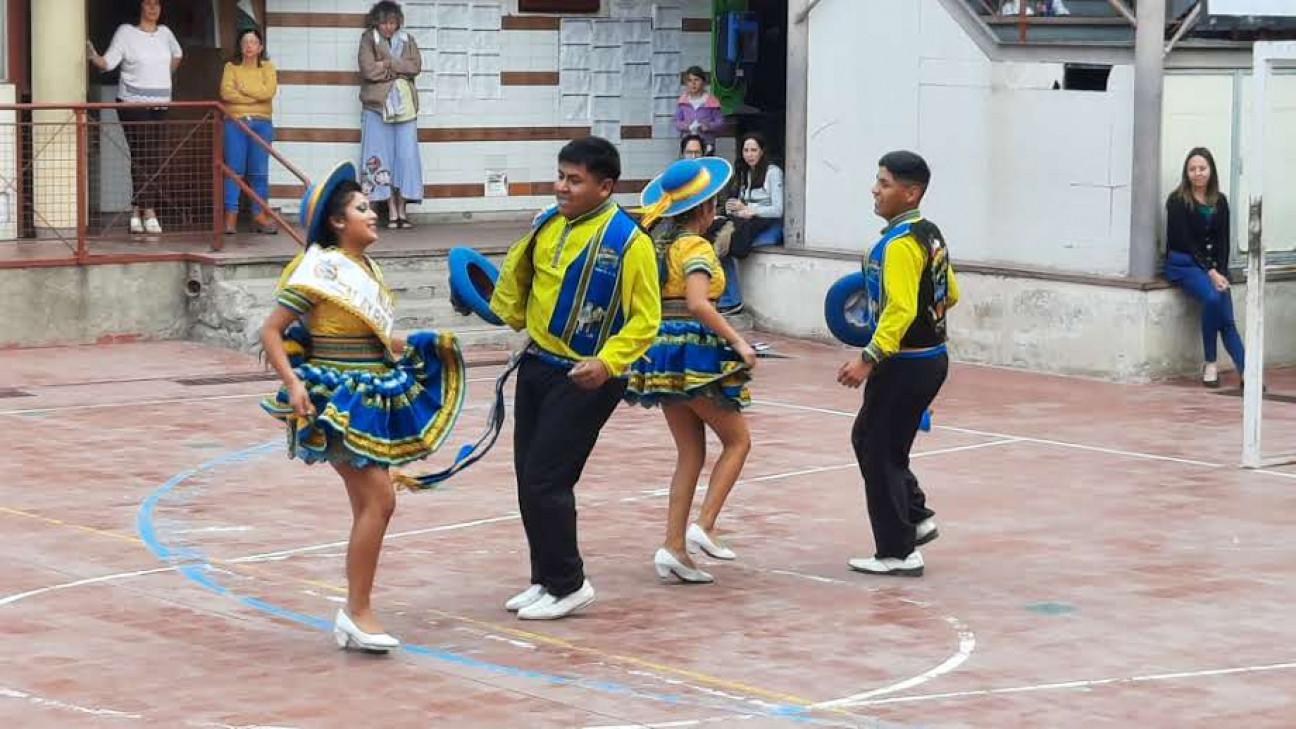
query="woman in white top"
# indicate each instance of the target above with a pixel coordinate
(756, 205)
(147, 54)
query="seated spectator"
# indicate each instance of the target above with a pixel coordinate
(699, 110)
(756, 206)
(248, 88)
(692, 146)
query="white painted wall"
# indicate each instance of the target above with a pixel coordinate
(334, 49)
(1022, 174)
(8, 163)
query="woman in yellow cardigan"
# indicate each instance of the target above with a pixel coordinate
(248, 88)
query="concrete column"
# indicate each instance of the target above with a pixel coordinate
(1145, 196)
(794, 157)
(58, 70)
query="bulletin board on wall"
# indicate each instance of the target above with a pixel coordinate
(558, 6)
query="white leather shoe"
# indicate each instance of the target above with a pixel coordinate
(696, 536)
(667, 565)
(524, 598)
(926, 532)
(151, 225)
(136, 224)
(911, 566)
(549, 607)
(350, 636)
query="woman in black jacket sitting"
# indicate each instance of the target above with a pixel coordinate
(1197, 254)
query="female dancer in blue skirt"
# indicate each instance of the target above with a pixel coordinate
(698, 367)
(354, 395)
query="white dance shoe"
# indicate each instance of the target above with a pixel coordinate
(528, 596)
(697, 537)
(666, 565)
(348, 635)
(549, 607)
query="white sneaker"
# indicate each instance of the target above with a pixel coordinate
(667, 564)
(348, 635)
(549, 607)
(697, 537)
(927, 532)
(151, 225)
(911, 566)
(524, 598)
(136, 224)
(1210, 375)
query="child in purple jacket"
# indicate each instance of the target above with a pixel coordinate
(699, 110)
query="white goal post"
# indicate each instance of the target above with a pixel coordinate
(1266, 54)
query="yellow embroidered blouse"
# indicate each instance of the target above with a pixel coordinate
(338, 337)
(690, 254)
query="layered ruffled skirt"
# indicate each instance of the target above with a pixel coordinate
(687, 360)
(372, 412)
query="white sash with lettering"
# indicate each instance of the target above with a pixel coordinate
(330, 273)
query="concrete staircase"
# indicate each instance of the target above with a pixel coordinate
(229, 302)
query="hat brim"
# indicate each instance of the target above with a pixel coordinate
(472, 282)
(721, 172)
(315, 200)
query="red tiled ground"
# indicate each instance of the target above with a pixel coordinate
(1103, 563)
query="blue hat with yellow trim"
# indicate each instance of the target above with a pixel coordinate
(684, 185)
(314, 203)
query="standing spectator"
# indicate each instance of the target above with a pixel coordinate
(148, 54)
(699, 110)
(1197, 257)
(390, 167)
(248, 89)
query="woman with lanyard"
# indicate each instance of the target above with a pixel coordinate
(389, 153)
(698, 366)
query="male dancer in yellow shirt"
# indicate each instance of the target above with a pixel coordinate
(910, 285)
(583, 283)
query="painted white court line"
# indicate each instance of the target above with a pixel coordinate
(1024, 438)
(10, 599)
(169, 401)
(1082, 684)
(967, 644)
(282, 554)
(9, 693)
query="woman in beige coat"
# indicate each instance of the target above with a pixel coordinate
(390, 167)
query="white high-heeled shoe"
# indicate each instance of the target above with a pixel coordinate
(348, 635)
(696, 536)
(666, 565)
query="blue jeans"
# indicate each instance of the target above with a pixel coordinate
(248, 160)
(1217, 307)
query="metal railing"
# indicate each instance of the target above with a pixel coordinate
(73, 176)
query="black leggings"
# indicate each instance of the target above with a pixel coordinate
(146, 138)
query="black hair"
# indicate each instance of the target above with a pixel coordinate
(745, 176)
(382, 10)
(684, 140)
(694, 71)
(595, 154)
(238, 45)
(908, 168)
(335, 207)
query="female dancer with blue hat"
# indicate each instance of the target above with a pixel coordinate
(698, 366)
(354, 395)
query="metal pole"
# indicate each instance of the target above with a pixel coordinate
(1252, 398)
(797, 107)
(218, 181)
(1145, 195)
(82, 196)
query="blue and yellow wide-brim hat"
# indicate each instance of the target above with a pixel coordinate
(686, 184)
(314, 203)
